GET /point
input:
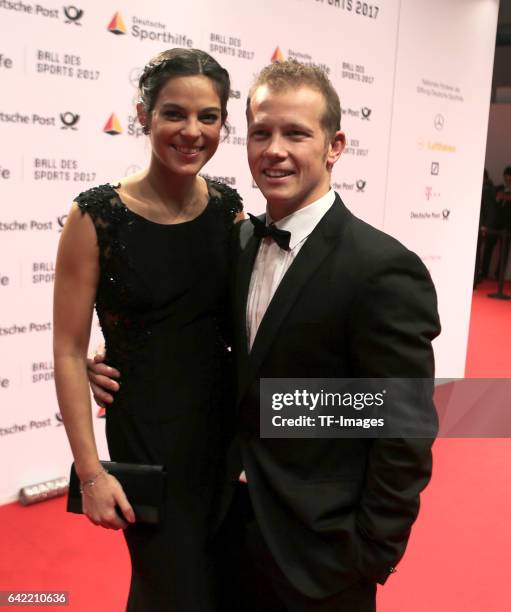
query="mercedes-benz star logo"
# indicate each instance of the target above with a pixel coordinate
(439, 122)
(134, 76)
(133, 169)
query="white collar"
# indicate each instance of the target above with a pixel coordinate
(301, 222)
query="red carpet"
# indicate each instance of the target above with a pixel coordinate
(489, 343)
(458, 559)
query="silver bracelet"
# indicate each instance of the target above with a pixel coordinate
(92, 481)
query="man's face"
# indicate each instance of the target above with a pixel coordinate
(289, 154)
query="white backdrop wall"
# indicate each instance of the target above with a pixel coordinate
(414, 80)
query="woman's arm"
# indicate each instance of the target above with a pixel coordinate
(76, 279)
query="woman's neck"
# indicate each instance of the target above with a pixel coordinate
(173, 192)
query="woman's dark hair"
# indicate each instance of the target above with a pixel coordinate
(177, 63)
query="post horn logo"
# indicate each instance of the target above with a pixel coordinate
(278, 56)
(113, 126)
(73, 14)
(366, 112)
(116, 26)
(361, 185)
(69, 120)
(61, 221)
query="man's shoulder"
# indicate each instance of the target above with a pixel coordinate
(371, 241)
(369, 249)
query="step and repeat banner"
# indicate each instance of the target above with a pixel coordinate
(414, 81)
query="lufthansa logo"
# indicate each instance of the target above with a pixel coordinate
(361, 185)
(73, 14)
(69, 120)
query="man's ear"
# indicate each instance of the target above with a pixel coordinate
(142, 117)
(336, 146)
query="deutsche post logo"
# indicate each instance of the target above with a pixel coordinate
(69, 121)
(73, 14)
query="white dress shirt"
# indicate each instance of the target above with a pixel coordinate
(272, 262)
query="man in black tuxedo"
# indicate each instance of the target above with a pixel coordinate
(320, 521)
(314, 524)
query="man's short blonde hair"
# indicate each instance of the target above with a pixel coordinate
(291, 74)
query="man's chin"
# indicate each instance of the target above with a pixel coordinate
(277, 194)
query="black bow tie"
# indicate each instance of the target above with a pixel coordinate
(261, 230)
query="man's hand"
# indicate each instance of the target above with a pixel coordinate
(101, 379)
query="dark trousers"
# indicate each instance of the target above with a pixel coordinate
(251, 581)
(488, 246)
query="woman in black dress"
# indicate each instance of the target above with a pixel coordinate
(151, 253)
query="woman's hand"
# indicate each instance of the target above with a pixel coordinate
(100, 500)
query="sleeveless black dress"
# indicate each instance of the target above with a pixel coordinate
(162, 302)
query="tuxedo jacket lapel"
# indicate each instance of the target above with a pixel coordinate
(249, 245)
(319, 244)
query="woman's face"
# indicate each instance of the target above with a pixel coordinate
(185, 124)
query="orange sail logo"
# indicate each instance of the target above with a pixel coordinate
(116, 26)
(278, 56)
(113, 126)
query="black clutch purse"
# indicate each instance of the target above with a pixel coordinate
(144, 486)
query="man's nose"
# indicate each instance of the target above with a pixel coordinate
(276, 148)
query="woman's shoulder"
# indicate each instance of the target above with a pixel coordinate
(228, 199)
(102, 203)
(96, 197)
